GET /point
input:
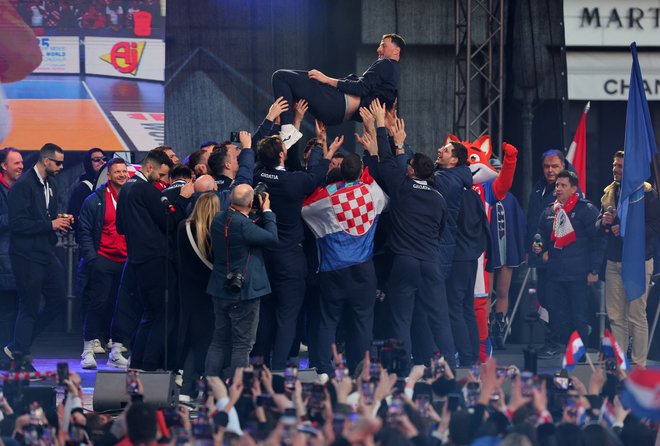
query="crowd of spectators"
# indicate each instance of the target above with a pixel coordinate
(97, 17)
(490, 406)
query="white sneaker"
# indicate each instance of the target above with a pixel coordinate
(323, 378)
(88, 361)
(98, 348)
(289, 135)
(109, 346)
(115, 359)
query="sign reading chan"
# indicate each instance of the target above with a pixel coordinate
(606, 76)
(130, 58)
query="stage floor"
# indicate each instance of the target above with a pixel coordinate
(51, 349)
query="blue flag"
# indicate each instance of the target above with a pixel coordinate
(639, 147)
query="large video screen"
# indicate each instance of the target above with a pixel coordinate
(100, 80)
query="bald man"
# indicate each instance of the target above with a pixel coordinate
(238, 279)
(205, 183)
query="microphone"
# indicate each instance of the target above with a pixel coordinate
(538, 241)
(610, 209)
(166, 203)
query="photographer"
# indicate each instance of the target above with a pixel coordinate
(238, 279)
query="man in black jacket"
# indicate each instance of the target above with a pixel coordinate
(334, 101)
(144, 220)
(34, 221)
(418, 214)
(11, 166)
(553, 161)
(575, 252)
(93, 162)
(103, 253)
(285, 262)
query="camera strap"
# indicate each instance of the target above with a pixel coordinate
(247, 261)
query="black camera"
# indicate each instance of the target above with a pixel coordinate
(259, 195)
(234, 137)
(234, 282)
(392, 355)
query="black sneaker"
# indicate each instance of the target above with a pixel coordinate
(548, 351)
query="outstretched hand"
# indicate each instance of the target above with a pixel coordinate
(368, 121)
(336, 144)
(300, 108)
(321, 134)
(399, 132)
(368, 142)
(378, 111)
(279, 106)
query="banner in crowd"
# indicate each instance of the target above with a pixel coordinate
(60, 55)
(130, 58)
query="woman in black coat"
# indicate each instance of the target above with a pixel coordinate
(196, 320)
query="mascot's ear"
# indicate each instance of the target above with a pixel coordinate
(482, 144)
(451, 138)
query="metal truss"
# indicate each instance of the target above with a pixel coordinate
(479, 70)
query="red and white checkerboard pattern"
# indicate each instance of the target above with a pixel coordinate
(354, 209)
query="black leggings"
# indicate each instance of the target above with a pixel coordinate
(326, 103)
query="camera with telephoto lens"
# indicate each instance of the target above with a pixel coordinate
(234, 282)
(259, 195)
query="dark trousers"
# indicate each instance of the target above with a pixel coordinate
(460, 298)
(352, 289)
(233, 337)
(569, 303)
(8, 309)
(414, 281)
(32, 281)
(312, 320)
(326, 103)
(550, 331)
(287, 270)
(149, 345)
(128, 308)
(101, 296)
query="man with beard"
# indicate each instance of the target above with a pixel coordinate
(34, 221)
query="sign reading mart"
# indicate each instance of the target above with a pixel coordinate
(125, 57)
(606, 76)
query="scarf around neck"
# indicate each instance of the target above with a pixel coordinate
(563, 233)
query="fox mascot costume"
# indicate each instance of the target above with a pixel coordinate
(491, 187)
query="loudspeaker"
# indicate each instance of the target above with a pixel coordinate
(110, 390)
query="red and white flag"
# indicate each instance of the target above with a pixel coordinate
(577, 152)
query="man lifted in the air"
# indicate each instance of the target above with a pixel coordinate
(334, 101)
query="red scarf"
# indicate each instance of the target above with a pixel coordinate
(563, 233)
(2, 180)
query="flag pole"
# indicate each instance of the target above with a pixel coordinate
(591, 364)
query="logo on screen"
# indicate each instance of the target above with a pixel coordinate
(125, 56)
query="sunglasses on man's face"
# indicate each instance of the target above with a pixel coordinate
(99, 159)
(57, 162)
